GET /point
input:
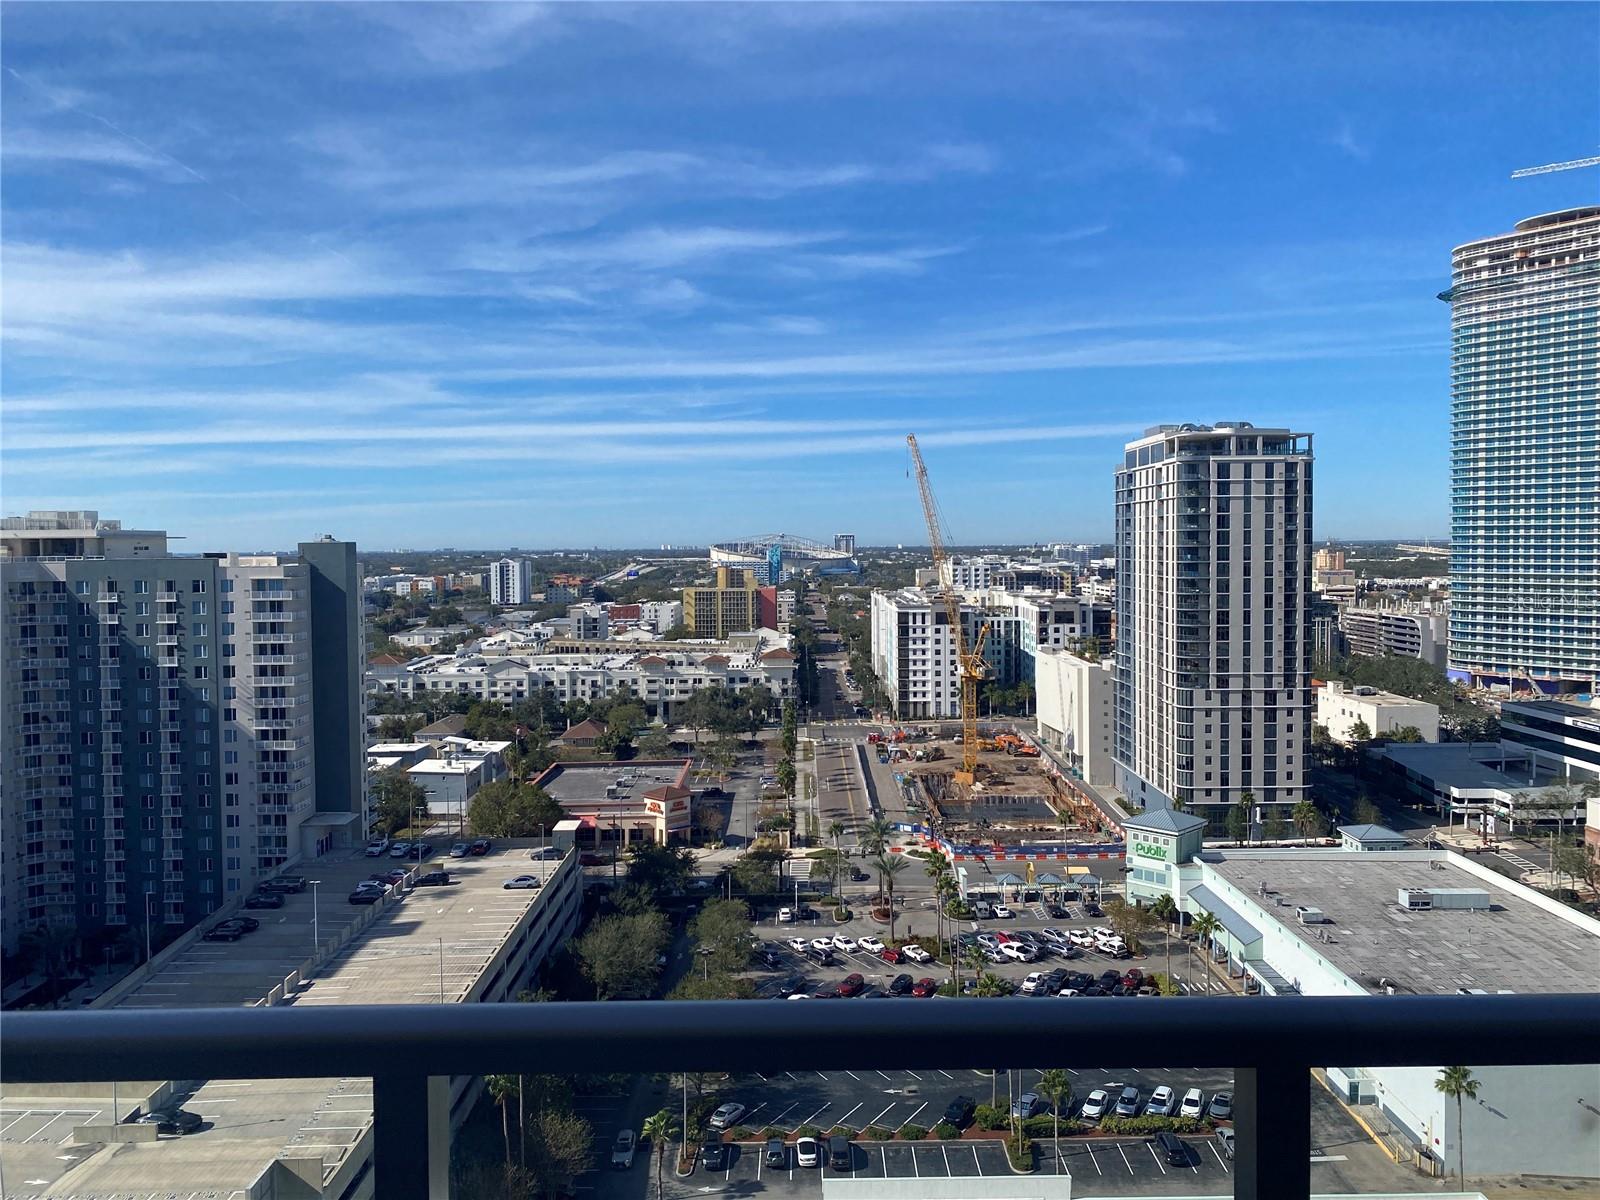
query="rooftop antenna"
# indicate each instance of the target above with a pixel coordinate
(1552, 168)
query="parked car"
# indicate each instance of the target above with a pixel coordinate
(769, 957)
(591, 860)
(847, 945)
(821, 955)
(1081, 938)
(839, 1152)
(785, 915)
(459, 850)
(1222, 1106)
(377, 847)
(925, 987)
(622, 1150)
(892, 955)
(1194, 1104)
(1096, 1105)
(525, 882)
(900, 985)
(1020, 951)
(959, 1111)
(1225, 1139)
(1128, 1102)
(265, 900)
(989, 941)
(1133, 977)
(713, 1155)
(543, 853)
(399, 849)
(1093, 910)
(248, 924)
(479, 848)
(1055, 912)
(393, 875)
(797, 944)
(1172, 1148)
(1003, 912)
(1162, 1101)
(912, 952)
(367, 893)
(171, 1120)
(433, 879)
(726, 1116)
(851, 985)
(777, 1154)
(222, 933)
(419, 851)
(283, 883)
(1033, 985)
(871, 944)
(857, 875)
(1029, 1104)
(806, 1152)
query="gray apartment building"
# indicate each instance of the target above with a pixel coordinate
(1525, 456)
(176, 727)
(1213, 650)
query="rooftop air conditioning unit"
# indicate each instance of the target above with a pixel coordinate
(1416, 899)
(1307, 915)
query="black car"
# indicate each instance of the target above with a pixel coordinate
(265, 900)
(791, 987)
(839, 1152)
(420, 850)
(1057, 913)
(366, 895)
(713, 1155)
(283, 883)
(900, 985)
(1093, 910)
(248, 924)
(433, 879)
(1172, 1148)
(479, 847)
(819, 955)
(959, 1111)
(770, 958)
(858, 876)
(171, 1120)
(222, 933)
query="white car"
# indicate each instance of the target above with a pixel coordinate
(805, 1152)
(1096, 1105)
(913, 953)
(1194, 1104)
(622, 1150)
(785, 915)
(822, 943)
(459, 850)
(1019, 952)
(798, 996)
(1033, 983)
(1054, 936)
(1003, 913)
(377, 847)
(727, 1116)
(525, 882)
(798, 945)
(988, 941)
(1160, 1102)
(871, 944)
(845, 944)
(1081, 938)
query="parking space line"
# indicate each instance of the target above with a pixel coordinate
(854, 1076)
(1218, 1153)
(885, 1076)
(1124, 1154)
(1155, 1156)
(976, 1162)
(813, 1117)
(846, 1117)
(791, 1077)
(947, 1074)
(1089, 1146)
(879, 1117)
(915, 1076)
(13, 1121)
(780, 1116)
(911, 1118)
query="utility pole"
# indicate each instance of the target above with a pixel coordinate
(316, 927)
(441, 970)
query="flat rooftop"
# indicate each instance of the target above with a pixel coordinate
(1467, 766)
(586, 782)
(397, 959)
(1519, 944)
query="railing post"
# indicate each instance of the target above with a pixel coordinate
(400, 1141)
(1272, 1132)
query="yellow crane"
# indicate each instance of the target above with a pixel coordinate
(973, 668)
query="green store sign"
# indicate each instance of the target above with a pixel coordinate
(1150, 850)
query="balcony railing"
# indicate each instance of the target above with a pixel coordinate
(1271, 1045)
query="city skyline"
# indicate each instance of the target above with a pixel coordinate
(349, 269)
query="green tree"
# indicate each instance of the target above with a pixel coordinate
(713, 985)
(1308, 821)
(787, 777)
(1129, 920)
(1238, 821)
(618, 954)
(1457, 1084)
(1406, 733)
(756, 871)
(1274, 827)
(511, 808)
(1055, 1085)
(447, 614)
(833, 862)
(659, 1131)
(888, 867)
(1205, 928)
(662, 870)
(1366, 812)
(836, 831)
(655, 742)
(563, 1146)
(874, 836)
(501, 1089)
(722, 930)
(396, 800)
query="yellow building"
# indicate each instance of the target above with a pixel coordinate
(731, 606)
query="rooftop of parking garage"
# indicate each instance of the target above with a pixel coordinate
(1524, 942)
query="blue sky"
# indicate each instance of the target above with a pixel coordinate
(565, 276)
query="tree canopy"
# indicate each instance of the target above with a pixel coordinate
(618, 954)
(511, 808)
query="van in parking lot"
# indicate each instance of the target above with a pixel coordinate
(839, 1152)
(982, 911)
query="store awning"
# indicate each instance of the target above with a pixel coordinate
(1243, 932)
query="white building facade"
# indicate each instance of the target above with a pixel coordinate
(510, 582)
(1076, 711)
(1340, 707)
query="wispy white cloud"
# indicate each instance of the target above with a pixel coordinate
(25, 148)
(1344, 138)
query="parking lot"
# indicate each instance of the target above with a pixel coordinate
(49, 1126)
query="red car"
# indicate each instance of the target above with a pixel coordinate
(925, 987)
(1134, 977)
(591, 860)
(891, 955)
(1001, 936)
(851, 985)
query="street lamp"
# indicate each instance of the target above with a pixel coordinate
(147, 924)
(316, 927)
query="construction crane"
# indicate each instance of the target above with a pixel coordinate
(1552, 168)
(973, 668)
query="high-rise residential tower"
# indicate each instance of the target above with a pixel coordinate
(176, 727)
(1525, 456)
(1213, 655)
(510, 581)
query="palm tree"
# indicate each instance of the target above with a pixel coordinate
(937, 868)
(1307, 820)
(874, 835)
(1205, 927)
(836, 831)
(501, 1089)
(1167, 909)
(972, 959)
(660, 1130)
(888, 866)
(1458, 1084)
(1056, 1084)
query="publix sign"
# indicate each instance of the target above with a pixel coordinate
(1148, 849)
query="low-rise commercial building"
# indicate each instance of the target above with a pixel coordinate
(622, 802)
(1322, 922)
(1340, 707)
(1076, 708)
(1337, 586)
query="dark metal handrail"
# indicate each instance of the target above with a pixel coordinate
(1271, 1044)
